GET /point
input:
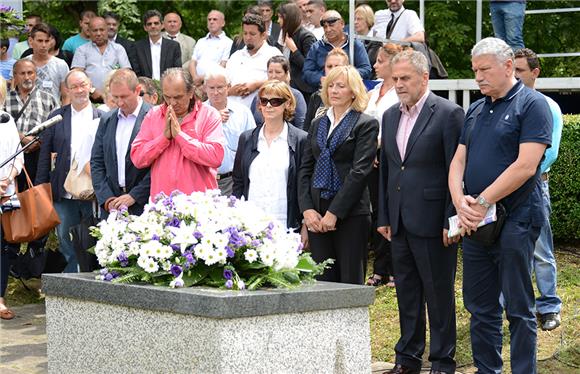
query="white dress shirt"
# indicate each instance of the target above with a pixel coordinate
(269, 175)
(377, 109)
(408, 24)
(210, 51)
(125, 125)
(156, 58)
(333, 121)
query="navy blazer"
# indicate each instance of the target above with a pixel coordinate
(354, 162)
(248, 151)
(414, 190)
(170, 57)
(104, 166)
(56, 139)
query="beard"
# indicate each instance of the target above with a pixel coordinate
(251, 47)
(27, 84)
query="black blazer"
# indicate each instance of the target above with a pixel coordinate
(415, 190)
(354, 161)
(275, 34)
(56, 139)
(303, 40)
(104, 164)
(129, 46)
(247, 152)
(170, 57)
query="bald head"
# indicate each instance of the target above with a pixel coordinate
(215, 22)
(98, 31)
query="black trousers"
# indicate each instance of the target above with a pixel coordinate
(425, 272)
(347, 245)
(383, 264)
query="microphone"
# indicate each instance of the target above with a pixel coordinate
(4, 117)
(44, 125)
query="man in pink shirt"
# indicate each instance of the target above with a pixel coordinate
(181, 140)
(419, 139)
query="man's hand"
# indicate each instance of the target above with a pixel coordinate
(312, 220)
(447, 241)
(225, 114)
(385, 231)
(126, 200)
(237, 90)
(328, 222)
(470, 213)
(34, 147)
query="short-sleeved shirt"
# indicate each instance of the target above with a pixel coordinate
(407, 23)
(245, 68)
(97, 65)
(6, 68)
(72, 43)
(521, 116)
(51, 75)
(211, 50)
(37, 111)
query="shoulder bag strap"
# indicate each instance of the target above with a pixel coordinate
(395, 24)
(25, 105)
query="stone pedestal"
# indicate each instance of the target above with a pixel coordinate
(95, 326)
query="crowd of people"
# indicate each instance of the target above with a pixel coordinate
(280, 116)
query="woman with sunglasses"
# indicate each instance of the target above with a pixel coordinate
(279, 69)
(332, 182)
(295, 42)
(269, 156)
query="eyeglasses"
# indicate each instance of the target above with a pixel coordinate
(274, 101)
(329, 21)
(80, 85)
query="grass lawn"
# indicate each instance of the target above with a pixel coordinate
(558, 351)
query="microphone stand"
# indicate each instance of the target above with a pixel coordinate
(5, 162)
(36, 139)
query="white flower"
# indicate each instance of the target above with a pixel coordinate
(176, 282)
(251, 255)
(148, 264)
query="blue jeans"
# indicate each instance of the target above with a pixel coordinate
(507, 18)
(503, 269)
(70, 212)
(545, 263)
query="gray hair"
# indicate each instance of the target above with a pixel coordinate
(182, 73)
(493, 46)
(215, 72)
(415, 58)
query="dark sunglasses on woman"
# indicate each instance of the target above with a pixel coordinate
(274, 101)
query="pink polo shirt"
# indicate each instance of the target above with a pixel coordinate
(407, 122)
(187, 162)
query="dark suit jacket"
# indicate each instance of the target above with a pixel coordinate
(170, 57)
(248, 151)
(415, 190)
(104, 164)
(353, 160)
(56, 139)
(303, 40)
(275, 34)
(129, 46)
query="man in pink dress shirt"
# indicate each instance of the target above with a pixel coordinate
(181, 140)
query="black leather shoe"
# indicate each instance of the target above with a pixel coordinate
(550, 321)
(400, 369)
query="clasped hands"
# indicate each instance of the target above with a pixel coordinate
(470, 214)
(316, 223)
(172, 126)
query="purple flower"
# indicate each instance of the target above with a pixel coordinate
(232, 201)
(176, 270)
(189, 258)
(230, 252)
(175, 247)
(108, 277)
(229, 283)
(198, 235)
(123, 259)
(256, 242)
(270, 225)
(155, 237)
(228, 274)
(103, 271)
(174, 222)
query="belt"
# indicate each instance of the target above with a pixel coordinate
(223, 176)
(544, 177)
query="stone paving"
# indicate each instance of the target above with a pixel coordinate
(23, 343)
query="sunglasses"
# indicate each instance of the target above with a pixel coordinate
(329, 21)
(275, 101)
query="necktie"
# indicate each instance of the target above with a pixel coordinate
(390, 26)
(172, 37)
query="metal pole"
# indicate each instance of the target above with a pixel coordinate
(351, 30)
(422, 12)
(478, 20)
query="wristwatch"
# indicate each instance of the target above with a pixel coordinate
(484, 203)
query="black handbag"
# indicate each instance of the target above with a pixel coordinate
(488, 234)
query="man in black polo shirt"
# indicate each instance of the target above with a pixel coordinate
(498, 159)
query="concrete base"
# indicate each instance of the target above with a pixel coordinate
(87, 336)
